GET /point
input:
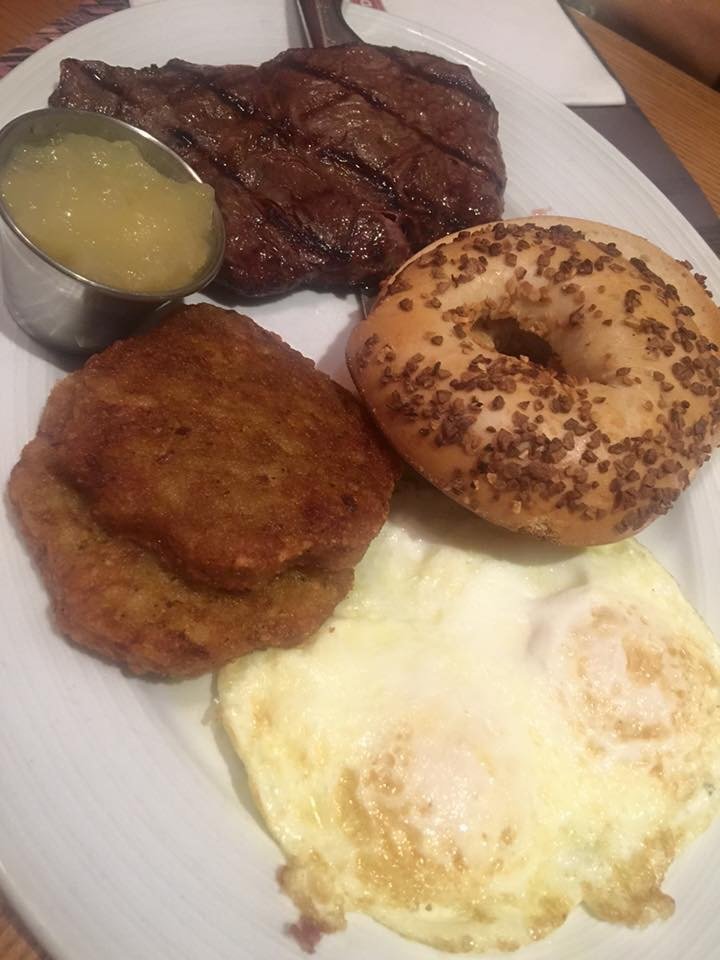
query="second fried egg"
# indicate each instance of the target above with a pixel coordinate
(481, 739)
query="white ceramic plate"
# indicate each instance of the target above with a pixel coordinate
(125, 832)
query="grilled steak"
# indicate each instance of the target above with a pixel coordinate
(330, 166)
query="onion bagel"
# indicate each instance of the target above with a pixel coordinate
(558, 377)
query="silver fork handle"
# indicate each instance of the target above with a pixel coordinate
(324, 23)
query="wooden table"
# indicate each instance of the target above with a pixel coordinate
(685, 113)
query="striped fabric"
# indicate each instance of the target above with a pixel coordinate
(84, 13)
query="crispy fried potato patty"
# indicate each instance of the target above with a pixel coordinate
(115, 598)
(213, 443)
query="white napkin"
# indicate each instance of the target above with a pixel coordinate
(533, 37)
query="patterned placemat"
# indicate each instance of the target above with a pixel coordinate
(84, 13)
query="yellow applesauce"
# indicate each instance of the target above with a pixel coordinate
(99, 209)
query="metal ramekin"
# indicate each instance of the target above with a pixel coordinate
(52, 303)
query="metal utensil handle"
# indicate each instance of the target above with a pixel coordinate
(324, 23)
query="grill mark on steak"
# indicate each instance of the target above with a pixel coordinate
(375, 102)
(450, 81)
(310, 240)
(340, 97)
(250, 110)
(243, 107)
(370, 174)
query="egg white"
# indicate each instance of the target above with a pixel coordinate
(487, 733)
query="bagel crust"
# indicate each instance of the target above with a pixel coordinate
(556, 377)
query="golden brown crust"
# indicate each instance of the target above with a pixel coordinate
(114, 598)
(546, 375)
(213, 443)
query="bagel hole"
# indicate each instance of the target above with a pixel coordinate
(510, 338)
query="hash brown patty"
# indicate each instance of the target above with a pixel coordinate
(115, 598)
(211, 442)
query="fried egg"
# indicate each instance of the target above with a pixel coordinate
(487, 733)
